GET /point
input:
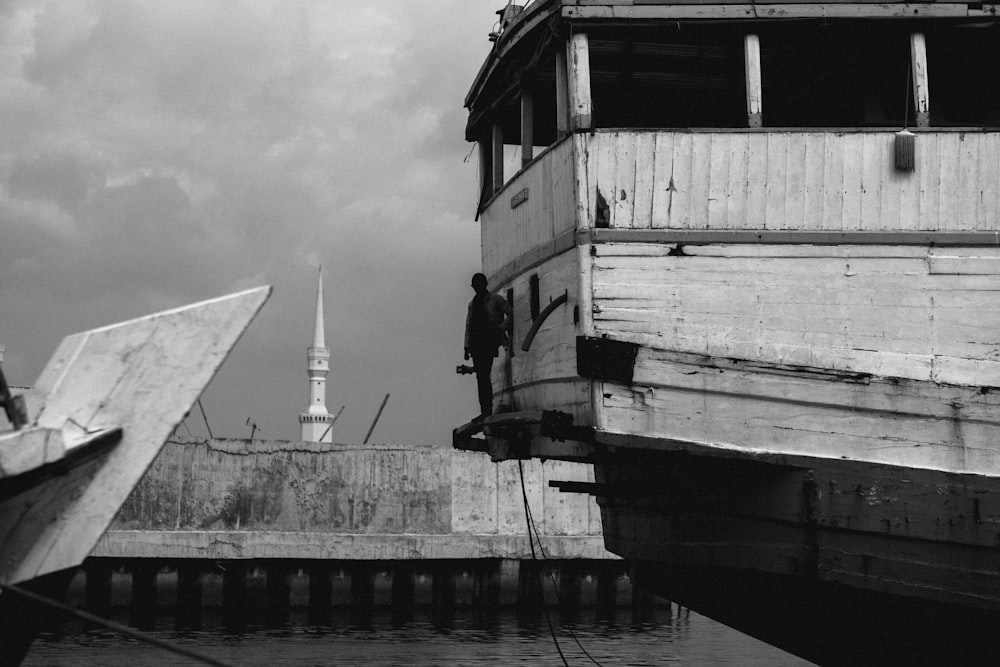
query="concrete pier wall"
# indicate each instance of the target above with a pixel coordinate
(237, 499)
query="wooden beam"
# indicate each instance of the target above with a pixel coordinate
(754, 99)
(921, 91)
(581, 106)
(497, 154)
(562, 95)
(527, 128)
(486, 167)
(782, 237)
(633, 14)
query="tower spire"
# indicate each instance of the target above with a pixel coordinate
(315, 421)
(319, 334)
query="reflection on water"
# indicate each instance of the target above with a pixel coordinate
(666, 636)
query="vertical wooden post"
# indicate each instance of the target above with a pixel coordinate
(486, 166)
(530, 596)
(755, 115)
(581, 106)
(234, 594)
(403, 593)
(97, 589)
(921, 89)
(486, 589)
(607, 589)
(143, 611)
(643, 599)
(562, 95)
(527, 127)
(189, 594)
(443, 593)
(362, 593)
(497, 154)
(320, 592)
(279, 588)
(569, 585)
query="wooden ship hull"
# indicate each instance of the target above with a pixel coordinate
(84, 435)
(776, 344)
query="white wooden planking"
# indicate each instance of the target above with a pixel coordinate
(508, 233)
(900, 312)
(807, 180)
(544, 376)
(730, 405)
(141, 376)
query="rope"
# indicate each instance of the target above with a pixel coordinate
(531, 543)
(533, 527)
(111, 625)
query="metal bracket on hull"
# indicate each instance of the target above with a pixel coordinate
(509, 435)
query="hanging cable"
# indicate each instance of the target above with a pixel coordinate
(111, 625)
(534, 558)
(532, 526)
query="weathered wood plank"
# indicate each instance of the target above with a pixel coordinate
(141, 376)
(796, 180)
(580, 101)
(772, 10)
(825, 307)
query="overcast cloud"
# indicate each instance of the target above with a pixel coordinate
(158, 153)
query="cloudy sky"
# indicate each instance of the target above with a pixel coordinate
(154, 154)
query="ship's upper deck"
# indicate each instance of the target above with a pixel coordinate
(563, 66)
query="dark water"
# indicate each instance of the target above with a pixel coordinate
(670, 637)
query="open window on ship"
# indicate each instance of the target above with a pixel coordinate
(826, 74)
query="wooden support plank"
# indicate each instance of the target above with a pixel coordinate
(776, 10)
(143, 607)
(497, 154)
(755, 116)
(320, 592)
(562, 95)
(921, 89)
(278, 593)
(581, 106)
(486, 169)
(142, 376)
(527, 127)
(189, 594)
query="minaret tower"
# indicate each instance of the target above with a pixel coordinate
(316, 421)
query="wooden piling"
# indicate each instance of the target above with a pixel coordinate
(362, 593)
(607, 589)
(530, 599)
(143, 607)
(97, 588)
(643, 600)
(320, 592)
(278, 593)
(486, 584)
(403, 592)
(234, 594)
(189, 594)
(570, 578)
(443, 593)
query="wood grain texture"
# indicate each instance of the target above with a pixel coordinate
(142, 376)
(796, 411)
(785, 180)
(509, 233)
(545, 376)
(896, 312)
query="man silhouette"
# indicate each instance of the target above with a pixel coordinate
(484, 334)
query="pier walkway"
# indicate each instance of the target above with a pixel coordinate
(256, 528)
(237, 499)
